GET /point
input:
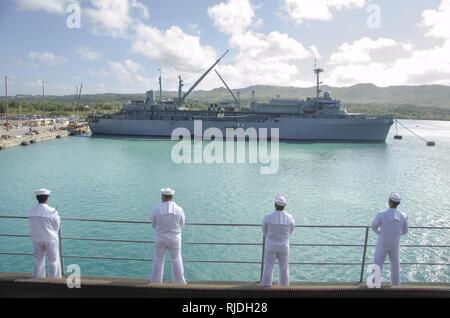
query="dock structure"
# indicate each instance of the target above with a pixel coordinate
(22, 285)
(12, 142)
(29, 133)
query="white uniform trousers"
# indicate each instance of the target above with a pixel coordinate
(160, 248)
(281, 254)
(394, 259)
(51, 249)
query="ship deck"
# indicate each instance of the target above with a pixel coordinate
(22, 285)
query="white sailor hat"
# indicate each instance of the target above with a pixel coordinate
(280, 200)
(167, 191)
(395, 197)
(42, 192)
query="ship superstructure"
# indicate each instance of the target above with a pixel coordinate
(319, 118)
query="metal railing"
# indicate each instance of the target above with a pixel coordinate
(362, 263)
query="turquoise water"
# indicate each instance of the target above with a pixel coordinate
(343, 184)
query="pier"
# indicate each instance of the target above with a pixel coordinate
(31, 131)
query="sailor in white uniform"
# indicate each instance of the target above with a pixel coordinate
(277, 227)
(390, 225)
(45, 222)
(167, 220)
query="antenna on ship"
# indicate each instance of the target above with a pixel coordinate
(318, 82)
(180, 86)
(229, 90)
(160, 85)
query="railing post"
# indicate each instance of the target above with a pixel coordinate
(262, 258)
(61, 260)
(363, 263)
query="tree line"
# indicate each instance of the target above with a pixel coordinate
(65, 107)
(53, 107)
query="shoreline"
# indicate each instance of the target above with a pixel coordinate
(30, 139)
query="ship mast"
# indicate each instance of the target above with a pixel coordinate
(318, 82)
(180, 87)
(181, 101)
(160, 85)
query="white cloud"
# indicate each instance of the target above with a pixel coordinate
(125, 69)
(302, 10)
(408, 46)
(115, 17)
(258, 23)
(261, 58)
(359, 51)
(243, 74)
(354, 63)
(47, 58)
(194, 29)
(52, 6)
(173, 47)
(430, 66)
(232, 17)
(128, 75)
(315, 51)
(109, 16)
(345, 4)
(141, 8)
(87, 53)
(438, 21)
(267, 48)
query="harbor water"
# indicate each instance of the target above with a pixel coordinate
(325, 184)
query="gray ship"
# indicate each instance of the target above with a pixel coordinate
(320, 118)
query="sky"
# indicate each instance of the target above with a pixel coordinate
(117, 46)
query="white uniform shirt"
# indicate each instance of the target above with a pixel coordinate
(168, 220)
(44, 222)
(390, 225)
(277, 226)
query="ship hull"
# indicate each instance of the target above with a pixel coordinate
(291, 128)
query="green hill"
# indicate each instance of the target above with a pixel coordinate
(421, 96)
